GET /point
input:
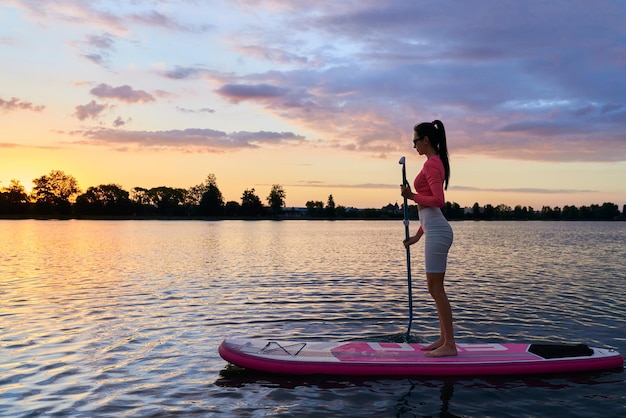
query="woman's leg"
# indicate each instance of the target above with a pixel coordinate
(445, 346)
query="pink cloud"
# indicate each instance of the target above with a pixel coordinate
(89, 111)
(18, 104)
(123, 93)
(240, 92)
(208, 140)
(273, 54)
(120, 122)
(101, 16)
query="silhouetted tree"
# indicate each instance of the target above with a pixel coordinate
(14, 199)
(520, 212)
(167, 201)
(488, 212)
(453, 211)
(106, 199)
(52, 193)
(546, 212)
(141, 201)
(276, 199)
(232, 209)
(608, 211)
(315, 209)
(476, 212)
(251, 205)
(330, 209)
(212, 201)
(570, 213)
(194, 193)
(371, 214)
(502, 212)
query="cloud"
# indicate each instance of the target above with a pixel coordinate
(104, 41)
(523, 190)
(95, 58)
(182, 73)
(316, 184)
(193, 111)
(161, 20)
(240, 92)
(14, 145)
(275, 55)
(518, 80)
(506, 78)
(9, 145)
(101, 47)
(123, 93)
(101, 16)
(120, 122)
(91, 110)
(207, 140)
(538, 127)
(374, 186)
(18, 104)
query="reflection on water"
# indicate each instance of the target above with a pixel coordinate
(124, 318)
(402, 397)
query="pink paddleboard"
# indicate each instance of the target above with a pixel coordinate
(403, 359)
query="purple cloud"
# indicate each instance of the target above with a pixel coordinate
(182, 73)
(240, 92)
(104, 41)
(359, 74)
(91, 110)
(158, 19)
(505, 77)
(193, 111)
(275, 55)
(120, 122)
(18, 104)
(123, 93)
(207, 140)
(118, 20)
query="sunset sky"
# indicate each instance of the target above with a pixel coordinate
(318, 96)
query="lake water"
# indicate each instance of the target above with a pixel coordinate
(108, 318)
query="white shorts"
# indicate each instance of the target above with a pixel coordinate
(438, 238)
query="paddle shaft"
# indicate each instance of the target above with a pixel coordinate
(408, 252)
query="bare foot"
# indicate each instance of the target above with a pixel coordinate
(433, 346)
(443, 351)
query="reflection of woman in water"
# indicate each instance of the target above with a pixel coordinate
(404, 407)
(429, 139)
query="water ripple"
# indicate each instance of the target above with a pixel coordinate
(124, 318)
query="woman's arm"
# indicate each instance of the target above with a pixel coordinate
(412, 240)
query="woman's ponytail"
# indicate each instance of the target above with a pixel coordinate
(437, 134)
(442, 149)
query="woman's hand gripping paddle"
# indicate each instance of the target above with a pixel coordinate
(408, 251)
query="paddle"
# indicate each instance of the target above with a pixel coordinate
(408, 251)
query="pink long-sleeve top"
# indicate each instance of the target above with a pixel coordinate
(429, 183)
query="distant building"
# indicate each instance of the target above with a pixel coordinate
(392, 209)
(295, 212)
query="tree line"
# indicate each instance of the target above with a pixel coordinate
(607, 212)
(57, 195)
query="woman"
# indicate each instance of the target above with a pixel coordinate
(429, 139)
